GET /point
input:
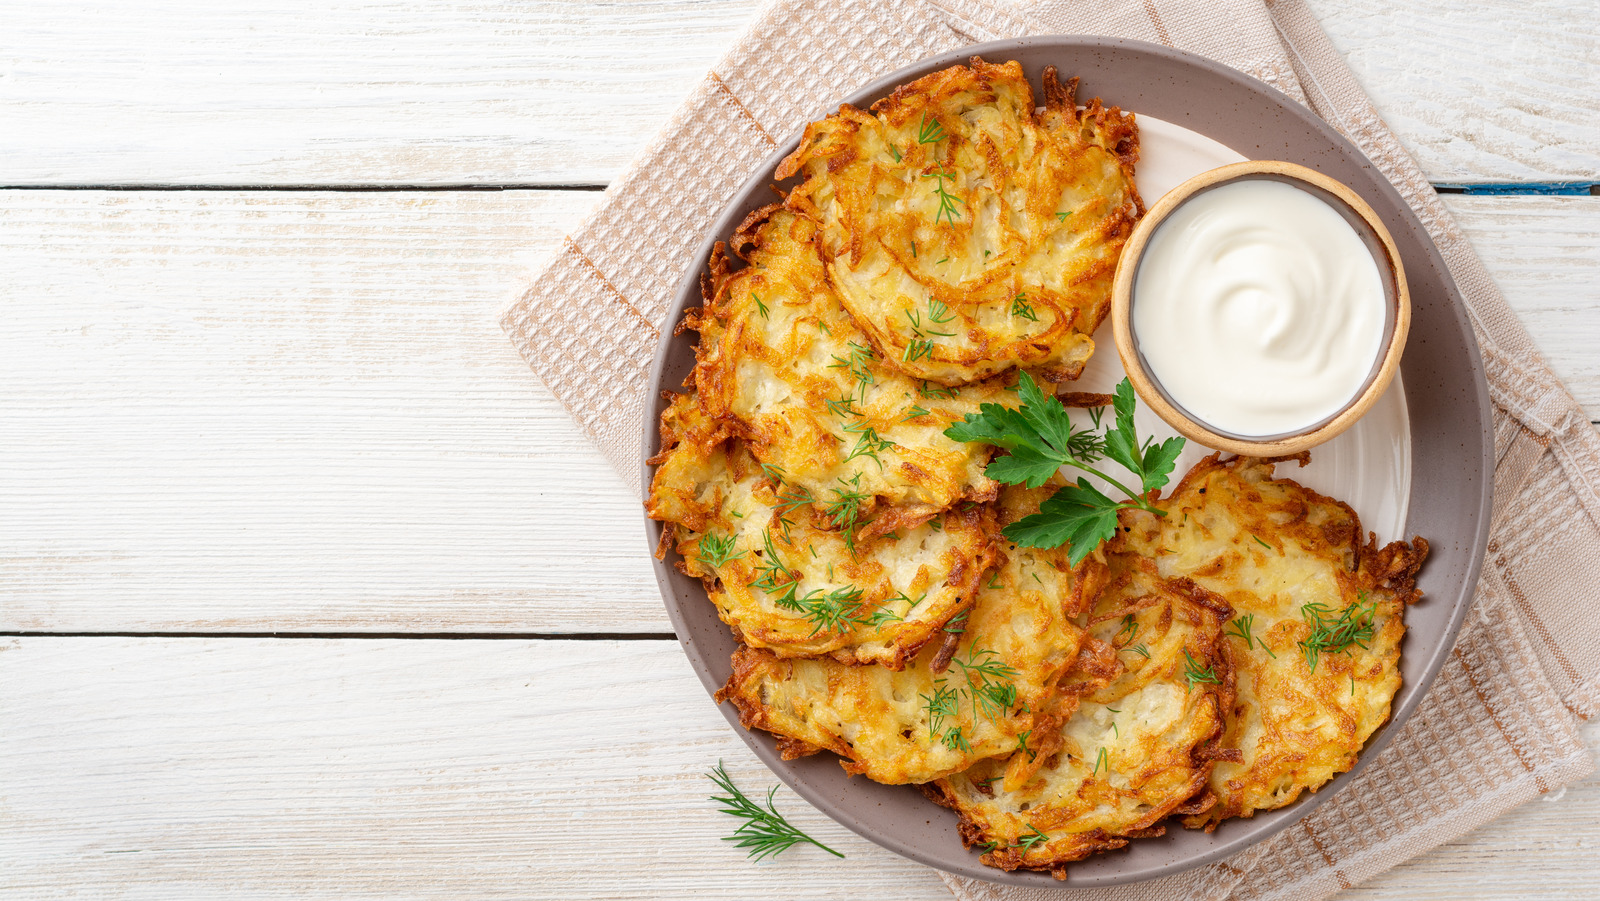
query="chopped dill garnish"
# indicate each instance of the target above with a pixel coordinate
(1355, 625)
(759, 305)
(929, 131)
(947, 201)
(1021, 308)
(1193, 672)
(1128, 626)
(869, 443)
(1027, 842)
(1022, 745)
(958, 623)
(942, 705)
(844, 511)
(716, 552)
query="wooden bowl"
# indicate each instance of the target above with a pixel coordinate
(1397, 318)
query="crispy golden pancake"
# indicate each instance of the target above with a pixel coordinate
(1319, 618)
(967, 233)
(785, 577)
(781, 360)
(1135, 750)
(985, 691)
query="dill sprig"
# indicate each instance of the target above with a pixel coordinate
(759, 305)
(956, 741)
(1355, 625)
(855, 363)
(947, 200)
(764, 831)
(989, 680)
(1022, 309)
(957, 624)
(833, 611)
(1193, 672)
(1242, 628)
(940, 706)
(869, 443)
(1027, 842)
(716, 552)
(914, 413)
(921, 344)
(929, 131)
(1101, 760)
(1022, 744)
(774, 578)
(1128, 626)
(843, 407)
(935, 392)
(844, 511)
(917, 349)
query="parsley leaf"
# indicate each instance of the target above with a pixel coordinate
(1040, 438)
(1077, 514)
(1152, 463)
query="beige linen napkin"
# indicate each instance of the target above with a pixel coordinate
(1499, 726)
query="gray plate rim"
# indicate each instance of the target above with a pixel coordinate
(1447, 395)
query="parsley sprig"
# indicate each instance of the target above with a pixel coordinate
(764, 831)
(1041, 438)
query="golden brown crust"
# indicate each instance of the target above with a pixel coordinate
(993, 677)
(1294, 562)
(783, 365)
(967, 164)
(1138, 747)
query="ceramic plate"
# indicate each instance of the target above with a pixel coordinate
(1194, 114)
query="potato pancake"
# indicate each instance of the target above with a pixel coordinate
(801, 583)
(983, 692)
(967, 233)
(786, 365)
(1320, 615)
(1135, 750)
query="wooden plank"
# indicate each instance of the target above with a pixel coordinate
(397, 768)
(547, 92)
(241, 411)
(392, 92)
(192, 768)
(262, 411)
(1545, 255)
(1479, 92)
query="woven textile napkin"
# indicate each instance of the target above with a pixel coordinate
(1500, 725)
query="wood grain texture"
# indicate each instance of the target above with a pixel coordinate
(348, 92)
(550, 92)
(1494, 91)
(295, 412)
(198, 768)
(1545, 255)
(244, 411)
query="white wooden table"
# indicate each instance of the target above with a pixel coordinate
(309, 589)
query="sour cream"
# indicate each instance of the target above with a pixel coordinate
(1258, 308)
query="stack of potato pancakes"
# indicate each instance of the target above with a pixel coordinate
(1208, 663)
